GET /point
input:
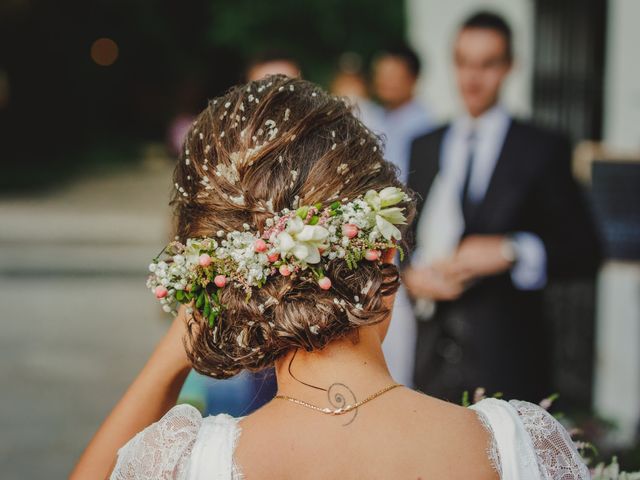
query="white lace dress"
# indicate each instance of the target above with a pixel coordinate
(527, 444)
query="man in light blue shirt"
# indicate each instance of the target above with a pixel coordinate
(403, 118)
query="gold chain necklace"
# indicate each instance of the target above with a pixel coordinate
(338, 411)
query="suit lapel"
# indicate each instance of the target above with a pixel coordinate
(498, 199)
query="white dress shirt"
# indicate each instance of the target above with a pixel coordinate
(441, 223)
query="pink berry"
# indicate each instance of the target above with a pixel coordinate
(204, 260)
(161, 291)
(284, 270)
(325, 283)
(349, 230)
(372, 255)
(260, 245)
(273, 257)
(220, 281)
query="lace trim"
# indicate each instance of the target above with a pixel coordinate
(492, 449)
(556, 453)
(236, 471)
(162, 450)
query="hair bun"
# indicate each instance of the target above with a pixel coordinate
(269, 145)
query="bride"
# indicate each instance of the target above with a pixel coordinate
(288, 219)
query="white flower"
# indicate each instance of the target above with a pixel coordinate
(302, 241)
(390, 196)
(387, 218)
(387, 228)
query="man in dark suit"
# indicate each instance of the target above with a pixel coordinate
(500, 215)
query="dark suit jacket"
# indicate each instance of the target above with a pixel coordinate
(494, 336)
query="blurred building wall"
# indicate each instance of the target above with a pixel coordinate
(617, 387)
(431, 27)
(622, 80)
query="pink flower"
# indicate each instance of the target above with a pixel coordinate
(349, 230)
(204, 260)
(325, 283)
(220, 281)
(372, 255)
(161, 291)
(260, 245)
(284, 270)
(273, 257)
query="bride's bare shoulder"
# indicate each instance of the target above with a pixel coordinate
(445, 427)
(434, 406)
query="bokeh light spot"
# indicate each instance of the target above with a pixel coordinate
(104, 51)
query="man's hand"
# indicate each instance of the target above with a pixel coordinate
(477, 256)
(431, 283)
(480, 256)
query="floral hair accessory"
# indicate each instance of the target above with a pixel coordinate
(293, 242)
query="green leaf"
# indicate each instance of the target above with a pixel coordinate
(212, 318)
(465, 398)
(200, 301)
(207, 310)
(315, 219)
(180, 295)
(302, 212)
(318, 206)
(335, 205)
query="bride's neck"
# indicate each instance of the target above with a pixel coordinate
(359, 365)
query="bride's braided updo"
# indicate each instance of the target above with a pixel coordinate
(268, 145)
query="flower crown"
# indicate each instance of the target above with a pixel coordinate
(293, 241)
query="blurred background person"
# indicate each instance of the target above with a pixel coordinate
(404, 118)
(501, 215)
(395, 74)
(351, 82)
(271, 62)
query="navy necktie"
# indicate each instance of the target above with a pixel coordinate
(468, 205)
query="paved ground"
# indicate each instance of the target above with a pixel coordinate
(77, 321)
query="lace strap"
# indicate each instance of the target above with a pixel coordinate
(512, 452)
(556, 454)
(492, 449)
(162, 450)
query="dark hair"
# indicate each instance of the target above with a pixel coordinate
(492, 21)
(274, 143)
(406, 54)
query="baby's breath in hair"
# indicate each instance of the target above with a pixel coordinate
(274, 144)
